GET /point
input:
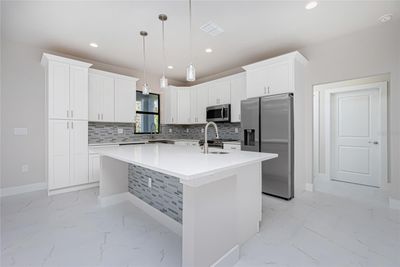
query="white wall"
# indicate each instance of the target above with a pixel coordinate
(362, 54)
(22, 105)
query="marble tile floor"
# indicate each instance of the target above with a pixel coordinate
(314, 229)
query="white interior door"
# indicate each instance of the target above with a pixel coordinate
(355, 137)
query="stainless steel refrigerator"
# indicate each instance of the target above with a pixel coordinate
(267, 126)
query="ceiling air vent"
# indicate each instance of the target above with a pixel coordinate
(212, 29)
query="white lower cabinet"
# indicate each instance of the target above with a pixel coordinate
(67, 153)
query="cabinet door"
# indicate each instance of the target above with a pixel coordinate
(238, 93)
(107, 99)
(183, 105)
(219, 93)
(94, 168)
(171, 105)
(256, 82)
(78, 93)
(79, 154)
(95, 95)
(280, 78)
(58, 90)
(193, 104)
(58, 151)
(202, 104)
(125, 100)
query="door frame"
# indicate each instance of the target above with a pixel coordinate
(382, 88)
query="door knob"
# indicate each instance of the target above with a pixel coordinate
(373, 142)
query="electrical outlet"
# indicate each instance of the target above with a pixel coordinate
(170, 130)
(236, 130)
(25, 168)
(202, 130)
(149, 182)
(120, 130)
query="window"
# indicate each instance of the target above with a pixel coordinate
(147, 113)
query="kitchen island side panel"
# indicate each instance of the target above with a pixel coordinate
(165, 193)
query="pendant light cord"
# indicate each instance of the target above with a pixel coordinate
(163, 47)
(190, 30)
(144, 60)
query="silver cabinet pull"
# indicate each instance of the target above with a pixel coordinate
(72, 124)
(373, 142)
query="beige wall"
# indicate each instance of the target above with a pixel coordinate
(22, 106)
(367, 53)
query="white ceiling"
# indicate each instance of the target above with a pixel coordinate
(253, 30)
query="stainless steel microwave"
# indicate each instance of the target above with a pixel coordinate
(220, 113)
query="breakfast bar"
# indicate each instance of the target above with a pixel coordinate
(217, 196)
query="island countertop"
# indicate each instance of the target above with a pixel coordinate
(185, 162)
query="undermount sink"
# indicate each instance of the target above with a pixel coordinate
(219, 152)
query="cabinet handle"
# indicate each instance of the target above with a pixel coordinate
(67, 113)
(72, 125)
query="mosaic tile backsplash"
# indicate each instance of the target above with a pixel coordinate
(104, 132)
(165, 193)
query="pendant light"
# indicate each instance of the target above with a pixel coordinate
(190, 71)
(163, 80)
(145, 88)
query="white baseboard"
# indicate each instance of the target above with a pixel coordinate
(394, 203)
(16, 190)
(72, 188)
(229, 259)
(309, 187)
(168, 222)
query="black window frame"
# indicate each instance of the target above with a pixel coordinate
(150, 113)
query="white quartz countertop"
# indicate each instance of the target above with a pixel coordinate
(185, 162)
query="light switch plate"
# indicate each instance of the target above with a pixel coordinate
(20, 131)
(120, 130)
(149, 182)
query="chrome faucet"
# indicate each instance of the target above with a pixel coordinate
(153, 130)
(205, 135)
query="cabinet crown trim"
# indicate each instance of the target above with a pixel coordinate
(112, 75)
(290, 56)
(49, 57)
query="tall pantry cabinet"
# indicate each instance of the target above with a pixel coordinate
(66, 123)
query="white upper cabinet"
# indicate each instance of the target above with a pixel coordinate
(112, 97)
(171, 105)
(66, 87)
(198, 104)
(272, 76)
(183, 105)
(125, 99)
(79, 93)
(238, 93)
(219, 92)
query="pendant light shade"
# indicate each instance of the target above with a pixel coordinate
(190, 71)
(145, 88)
(163, 80)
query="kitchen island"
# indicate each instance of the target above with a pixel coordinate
(216, 197)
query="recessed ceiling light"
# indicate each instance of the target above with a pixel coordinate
(385, 18)
(311, 5)
(94, 45)
(170, 67)
(208, 50)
